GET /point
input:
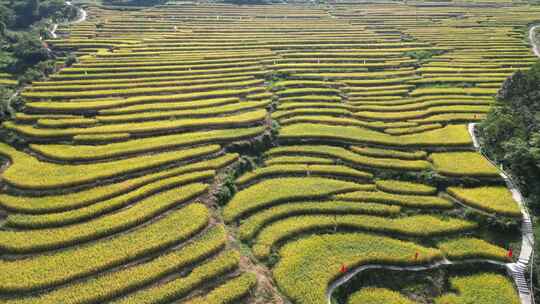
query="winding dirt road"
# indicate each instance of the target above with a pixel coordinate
(532, 38)
(81, 16)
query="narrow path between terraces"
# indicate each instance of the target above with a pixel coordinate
(53, 31)
(444, 262)
(81, 16)
(517, 270)
(532, 39)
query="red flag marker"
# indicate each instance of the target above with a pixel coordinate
(416, 256)
(343, 268)
(510, 253)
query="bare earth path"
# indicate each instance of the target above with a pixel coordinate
(81, 16)
(350, 275)
(518, 269)
(532, 39)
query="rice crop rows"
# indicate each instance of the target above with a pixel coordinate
(204, 152)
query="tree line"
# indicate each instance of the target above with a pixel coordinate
(511, 136)
(24, 25)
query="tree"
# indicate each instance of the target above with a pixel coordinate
(511, 130)
(7, 18)
(29, 49)
(5, 109)
(134, 2)
(511, 135)
(33, 7)
(247, 1)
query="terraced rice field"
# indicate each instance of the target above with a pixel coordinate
(6, 80)
(128, 181)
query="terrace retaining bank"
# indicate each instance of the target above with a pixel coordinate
(444, 262)
(518, 269)
(81, 16)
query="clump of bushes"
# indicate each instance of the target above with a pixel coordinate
(228, 187)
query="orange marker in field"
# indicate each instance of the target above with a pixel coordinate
(510, 253)
(343, 268)
(416, 256)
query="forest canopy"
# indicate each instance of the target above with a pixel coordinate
(511, 131)
(23, 13)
